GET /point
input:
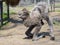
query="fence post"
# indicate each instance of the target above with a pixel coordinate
(1, 12)
(52, 4)
(34, 1)
(8, 11)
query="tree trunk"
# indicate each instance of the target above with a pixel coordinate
(12, 2)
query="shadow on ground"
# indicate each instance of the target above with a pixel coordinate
(12, 24)
(16, 21)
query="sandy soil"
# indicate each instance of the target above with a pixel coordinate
(14, 32)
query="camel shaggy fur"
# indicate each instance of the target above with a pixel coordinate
(34, 20)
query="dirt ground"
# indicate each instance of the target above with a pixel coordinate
(14, 32)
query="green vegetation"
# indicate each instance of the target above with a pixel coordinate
(57, 10)
(12, 11)
(56, 23)
(28, 7)
(57, 4)
(58, 7)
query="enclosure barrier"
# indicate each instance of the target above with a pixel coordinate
(8, 2)
(3, 20)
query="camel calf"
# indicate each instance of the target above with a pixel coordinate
(34, 20)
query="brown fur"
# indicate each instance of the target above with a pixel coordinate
(35, 18)
(28, 21)
(12, 2)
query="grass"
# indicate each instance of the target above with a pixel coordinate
(5, 11)
(4, 23)
(28, 7)
(57, 10)
(56, 23)
(5, 14)
(57, 4)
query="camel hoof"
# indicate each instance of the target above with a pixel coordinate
(27, 38)
(35, 39)
(53, 38)
(43, 36)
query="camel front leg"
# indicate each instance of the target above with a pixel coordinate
(35, 34)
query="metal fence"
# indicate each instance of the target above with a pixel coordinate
(4, 13)
(51, 3)
(29, 2)
(57, 3)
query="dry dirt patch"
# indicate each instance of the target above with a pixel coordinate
(15, 35)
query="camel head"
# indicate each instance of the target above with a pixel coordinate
(24, 14)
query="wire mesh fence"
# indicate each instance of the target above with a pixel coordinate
(51, 3)
(57, 3)
(3, 13)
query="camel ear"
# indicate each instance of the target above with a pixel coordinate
(25, 10)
